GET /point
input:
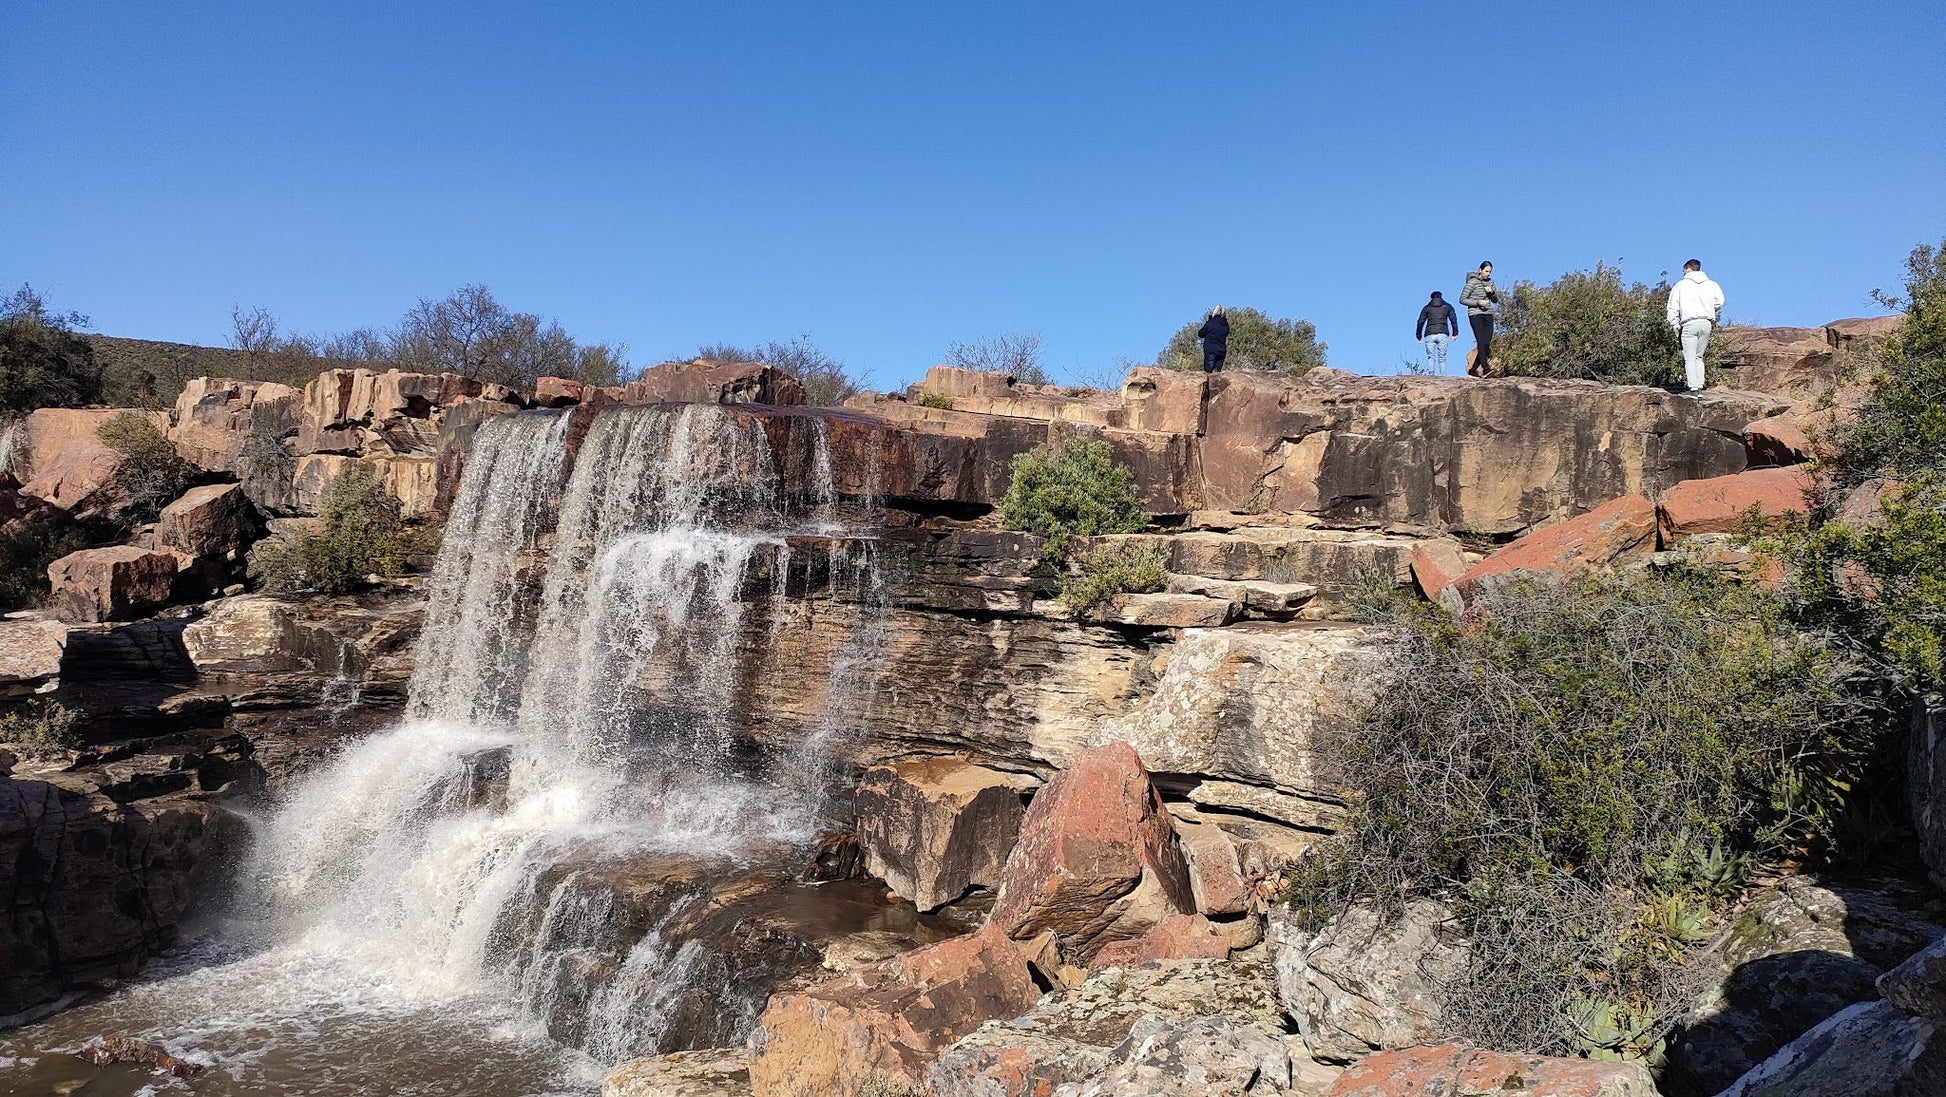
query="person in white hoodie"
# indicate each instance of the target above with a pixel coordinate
(1695, 305)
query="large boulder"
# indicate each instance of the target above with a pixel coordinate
(1362, 983)
(1798, 953)
(1796, 363)
(1872, 1049)
(111, 584)
(1722, 504)
(78, 478)
(1462, 1071)
(209, 521)
(885, 1023)
(1617, 532)
(31, 648)
(1097, 859)
(934, 827)
(1211, 1056)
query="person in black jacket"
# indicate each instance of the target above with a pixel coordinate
(1437, 326)
(1215, 337)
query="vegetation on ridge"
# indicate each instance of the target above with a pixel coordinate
(151, 475)
(1592, 326)
(1257, 342)
(1116, 567)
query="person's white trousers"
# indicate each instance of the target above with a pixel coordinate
(1695, 340)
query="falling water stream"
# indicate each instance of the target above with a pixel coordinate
(454, 905)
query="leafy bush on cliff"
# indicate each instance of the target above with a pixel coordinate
(1257, 341)
(1549, 764)
(151, 474)
(360, 534)
(1900, 431)
(1591, 325)
(1071, 489)
(43, 362)
(1118, 567)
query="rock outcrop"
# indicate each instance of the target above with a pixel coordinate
(1097, 859)
(1620, 531)
(934, 827)
(210, 521)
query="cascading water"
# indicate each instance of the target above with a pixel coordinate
(603, 690)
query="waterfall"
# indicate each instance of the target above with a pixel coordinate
(605, 691)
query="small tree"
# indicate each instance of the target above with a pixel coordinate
(1073, 489)
(151, 475)
(827, 382)
(1016, 355)
(43, 361)
(469, 331)
(1593, 326)
(360, 535)
(1257, 342)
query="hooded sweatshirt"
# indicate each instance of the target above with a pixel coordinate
(1477, 294)
(1695, 297)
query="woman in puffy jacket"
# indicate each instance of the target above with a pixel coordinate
(1479, 297)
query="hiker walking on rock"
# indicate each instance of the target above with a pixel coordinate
(1437, 326)
(1215, 337)
(1479, 297)
(1695, 306)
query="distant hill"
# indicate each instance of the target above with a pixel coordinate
(150, 372)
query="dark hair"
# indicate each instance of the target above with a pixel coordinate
(1484, 264)
(1693, 264)
(1437, 296)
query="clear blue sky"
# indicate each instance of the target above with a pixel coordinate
(892, 177)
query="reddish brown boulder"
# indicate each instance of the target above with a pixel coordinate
(1793, 362)
(1617, 531)
(47, 431)
(109, 584)
(934, 827)
(1097, 859)
(75, 478)
(1722, 504)
(1176, 937)
(1853, 334)
(558, 392)
(208, 521)
(1215, 870)
(1436, 565)
(883, 1024)
(1452, 1070)
(1778, 440)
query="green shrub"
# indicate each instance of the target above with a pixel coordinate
(151, 474)
(1071, 489)
(1257, 342)
(1883, 583)
(1118, 567)
(1590, 325)
(40, 730)
(936, 400)
(43, 362)
(1900, 430)
(360, 535)
(1530, 763)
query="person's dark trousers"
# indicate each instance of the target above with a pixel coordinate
(1213, 358)
(1483, 337)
